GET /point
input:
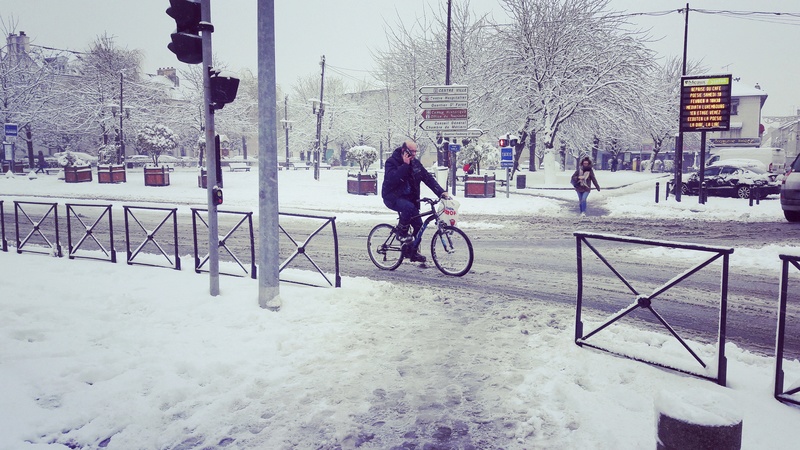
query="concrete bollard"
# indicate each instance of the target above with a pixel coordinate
(697, 419)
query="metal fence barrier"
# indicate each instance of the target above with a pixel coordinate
(150, 236)
(247, 217)
(781, 393)
(79, 211)
(50, 247)
(645, 302)
(300, 248)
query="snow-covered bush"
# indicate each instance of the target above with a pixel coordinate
(155, 140)
(363, 155)
(480, 153)
(107, 154)
(69, 159)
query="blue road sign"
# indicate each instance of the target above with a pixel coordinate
(455, 148)
(10, 130)
(506, 157)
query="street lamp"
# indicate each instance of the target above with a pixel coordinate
(287, 125)
(126, 111)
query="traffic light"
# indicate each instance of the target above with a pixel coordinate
(503, 142)
(224, 87)
(216, 192)
(186, 41)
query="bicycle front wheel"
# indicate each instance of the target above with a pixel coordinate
(384, 248)
(451, 251)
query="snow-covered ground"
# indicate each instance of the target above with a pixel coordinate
(99, 355)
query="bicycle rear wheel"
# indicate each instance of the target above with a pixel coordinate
(384, 248)
(451, 251)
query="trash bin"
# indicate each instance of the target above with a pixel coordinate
(520, 181)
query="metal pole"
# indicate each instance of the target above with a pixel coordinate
(286, 125)
(268, 223)
(121, 155)
(320, 113)
(211, 160)
(679, 141)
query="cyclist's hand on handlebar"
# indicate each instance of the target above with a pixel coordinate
(446, 196)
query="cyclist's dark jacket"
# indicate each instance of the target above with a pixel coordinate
(402, 180)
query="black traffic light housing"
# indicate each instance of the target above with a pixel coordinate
(503, 142)
(186, 41)
(216, 192)
(224, 87)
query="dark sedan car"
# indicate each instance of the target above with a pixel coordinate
(724, 180)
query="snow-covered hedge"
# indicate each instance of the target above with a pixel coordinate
(481, 153)
(363, 155)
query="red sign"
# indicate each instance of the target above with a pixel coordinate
(444, 114)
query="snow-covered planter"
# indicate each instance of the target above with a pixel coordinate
(156, 175)
(111, 173)
(362, 183)
(77, 174)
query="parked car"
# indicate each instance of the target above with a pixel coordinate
(790, 192)
(726, 180)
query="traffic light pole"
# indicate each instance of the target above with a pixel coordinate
(211, 161)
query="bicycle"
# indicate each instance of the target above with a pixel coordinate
(451, 249)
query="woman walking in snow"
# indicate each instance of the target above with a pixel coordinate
(581, 180)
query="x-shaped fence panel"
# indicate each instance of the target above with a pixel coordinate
(783, 393)
(300, 248)
(170, 214)
(646, 302)
(246, 218)
(79, 212)
(37, 240)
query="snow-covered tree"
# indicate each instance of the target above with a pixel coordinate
(479, 153)
(155, 140)
(363, 155)
(565, 57)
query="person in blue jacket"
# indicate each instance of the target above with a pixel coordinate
(403, 174)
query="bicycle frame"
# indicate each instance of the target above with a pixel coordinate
(432, 216)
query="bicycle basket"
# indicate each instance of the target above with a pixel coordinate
(448, 211)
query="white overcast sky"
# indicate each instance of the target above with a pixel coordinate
(345, 31)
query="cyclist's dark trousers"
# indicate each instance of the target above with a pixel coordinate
(407, 209)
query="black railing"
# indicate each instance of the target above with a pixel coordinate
(150, 236)
(300, 248)
(646, 301)
(45, 245)
(79, 212)
(247, 217)
(780, 390)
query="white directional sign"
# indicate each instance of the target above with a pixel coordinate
(443, 97)
(443, 105)
(441, 125)
(452, 89)
(471, 133)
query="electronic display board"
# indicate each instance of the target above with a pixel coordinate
(705, 103)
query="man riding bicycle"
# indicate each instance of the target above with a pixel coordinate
(403, 174)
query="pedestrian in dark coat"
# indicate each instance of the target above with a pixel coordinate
(582, 180)
(41, 163)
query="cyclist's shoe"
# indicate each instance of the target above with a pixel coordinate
(403, 235)
(417, 257)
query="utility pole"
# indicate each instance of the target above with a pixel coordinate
(268, 223)
(211, 160)
(320, 112)
(679, 140)
(287, 125)
(450, 155)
